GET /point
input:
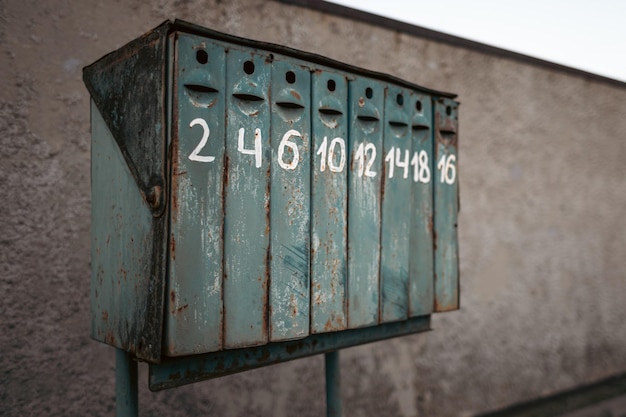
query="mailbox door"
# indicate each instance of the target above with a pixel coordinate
(290, 200)
(329, 201)
(366, 101)
(193, 314)
(246, 198)
(421, 269)
(446, 205)
(396, 205)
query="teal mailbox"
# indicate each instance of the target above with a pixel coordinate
(254, 204)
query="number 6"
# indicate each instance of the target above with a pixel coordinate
(281, 150)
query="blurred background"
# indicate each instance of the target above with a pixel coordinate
(542, 252)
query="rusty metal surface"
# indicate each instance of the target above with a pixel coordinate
(290, 200)
(193, 312)
(301, 197)
(174, 372)
(128, 88)
(421, 258)
(397, 211)
(122, 249)
(128, 91)
(446, 204)
(247, 198)
(329, 203)
(366, 98)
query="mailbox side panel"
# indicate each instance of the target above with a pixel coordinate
(193, 313)
(121, 246)
(421, 261)
(329, 201)
(366, 101)
(446, 205)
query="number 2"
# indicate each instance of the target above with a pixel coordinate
(195, 155)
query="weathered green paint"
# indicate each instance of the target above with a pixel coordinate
(247, 200)
(329, 201)
(421, 268)
(290, 200)
(446, 205)
(128, 87)
(174, 372)
(193, 313)
(333, 384)
(366, 101)
(396, 205)
(126, 385)
(121, 244)
(259, 247)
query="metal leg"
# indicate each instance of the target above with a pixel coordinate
(333, 388)
(126, 404)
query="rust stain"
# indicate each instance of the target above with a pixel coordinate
(294, 305)
(265, 355)
(172, 247)
(328, 326)
(179, 309)
(318, 299)
(172, 297)
(361, 102)
(109, 338)
(383, 181)
(226, 171)
(105, 315)
(267, 309)
(267, 204)
(293, 348)
(295, 94)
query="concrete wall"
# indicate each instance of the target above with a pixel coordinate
(543, 253)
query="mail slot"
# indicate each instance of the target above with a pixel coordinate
(254, 199)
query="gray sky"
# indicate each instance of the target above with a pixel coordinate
(588, 35)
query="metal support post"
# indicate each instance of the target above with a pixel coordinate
(126, 404)
(333, 387)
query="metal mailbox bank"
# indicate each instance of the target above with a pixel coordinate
(254, 204)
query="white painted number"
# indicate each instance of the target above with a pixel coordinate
(447, 168)
(324, 149)
(393, 157)
(258, 147)
(281, 150)
(360, 156)
(421, 170)
(195, 155)
(365, 156)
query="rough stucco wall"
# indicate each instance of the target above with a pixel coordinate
(542, 251)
